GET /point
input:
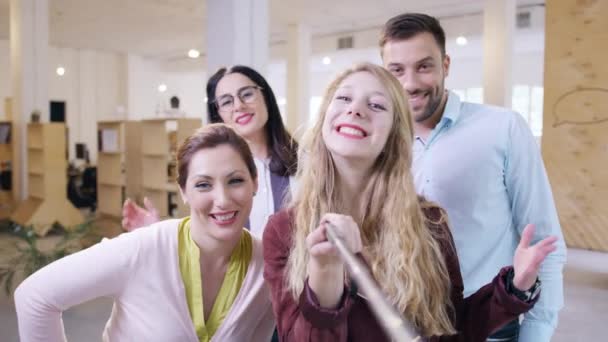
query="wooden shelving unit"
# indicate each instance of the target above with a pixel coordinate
(46, 180)
(119, 165)
(6, 164)
(160, 139)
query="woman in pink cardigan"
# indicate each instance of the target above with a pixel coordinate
(194, 279)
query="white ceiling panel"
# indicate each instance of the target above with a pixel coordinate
(164, 29)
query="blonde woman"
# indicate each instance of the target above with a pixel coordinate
(356, 176)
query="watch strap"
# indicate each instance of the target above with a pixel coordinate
(525, 296)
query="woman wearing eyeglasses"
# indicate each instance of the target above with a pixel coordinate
(240, 97)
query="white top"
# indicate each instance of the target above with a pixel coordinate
(263, 203)
(140, 271)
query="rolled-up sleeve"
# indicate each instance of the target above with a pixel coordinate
(532, 202)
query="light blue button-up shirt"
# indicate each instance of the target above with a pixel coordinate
(483, 166)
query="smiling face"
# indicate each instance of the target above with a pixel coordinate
(421, 68)
(241, 104)
(358, 119)
(219, 190)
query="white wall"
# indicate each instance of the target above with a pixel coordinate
(143, 78)
(93, 88)
(144, 99)
(5, 75)
(190, 87)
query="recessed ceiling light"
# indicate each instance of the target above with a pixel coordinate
(193, 53)
(461, 40)
(60, 71)
(326, 60)
(282, 101)
(162, 88)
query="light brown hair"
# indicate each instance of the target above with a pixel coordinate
(210, 136)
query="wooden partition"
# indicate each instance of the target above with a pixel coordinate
(575, 127)
(160, 140)
(46, 180)
(118, 165)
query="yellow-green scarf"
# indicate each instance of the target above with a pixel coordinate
(189, 266)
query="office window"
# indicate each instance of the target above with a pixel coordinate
(461, 93)
(528, 101)
(536, 111)
(520, 101)
(313, 110)
(474, 95)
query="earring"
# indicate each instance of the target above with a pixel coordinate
(254, 193)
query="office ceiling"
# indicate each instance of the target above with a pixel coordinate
(163, 29)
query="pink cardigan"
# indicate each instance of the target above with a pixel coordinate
(140, 271)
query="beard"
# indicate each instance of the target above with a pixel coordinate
(435, 97)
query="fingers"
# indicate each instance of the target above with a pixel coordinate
(346, 228)
(338, 220)
(526, 236)
(126, 225)
(317, 236)
(318, 245)
(538, 253)
(149, 206)
(127, 208)
(550, 240)
(323, 249)
(545, 247)
(331, 217)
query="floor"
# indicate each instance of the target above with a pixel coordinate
(585, 314)
(583, 319)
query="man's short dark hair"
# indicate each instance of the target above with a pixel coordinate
(407, 25)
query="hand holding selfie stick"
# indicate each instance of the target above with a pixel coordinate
(393, 324)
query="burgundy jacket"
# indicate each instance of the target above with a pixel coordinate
(475, 318)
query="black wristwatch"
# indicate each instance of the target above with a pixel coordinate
(525, 296)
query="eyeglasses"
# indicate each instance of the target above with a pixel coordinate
(248, 94)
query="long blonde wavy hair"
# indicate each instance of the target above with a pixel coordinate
(404, 255)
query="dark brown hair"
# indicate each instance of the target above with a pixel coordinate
(210, 136)
(407, 25)
(283, 147)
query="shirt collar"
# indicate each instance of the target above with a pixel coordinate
(452, 108)
(450, 115)
(265, 162)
